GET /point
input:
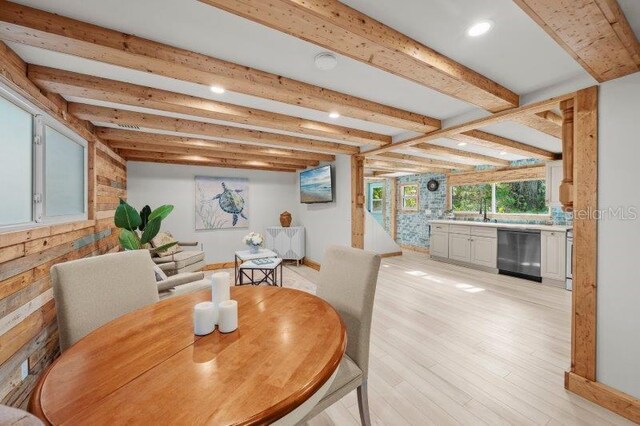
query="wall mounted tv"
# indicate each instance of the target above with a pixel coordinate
(316, 185)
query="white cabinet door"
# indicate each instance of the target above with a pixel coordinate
(460, 247)
(553, 181)
(553, 247)
(439, 245)
(484, 251)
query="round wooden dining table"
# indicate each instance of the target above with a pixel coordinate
(147, 367)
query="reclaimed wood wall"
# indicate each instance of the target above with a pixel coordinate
(28, 329)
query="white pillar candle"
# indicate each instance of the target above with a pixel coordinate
(204, 318)
(220, 290)
(228, 316)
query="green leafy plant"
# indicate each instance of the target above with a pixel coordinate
(147, 222)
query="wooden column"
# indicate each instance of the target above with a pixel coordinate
(585, 203)
(393, 190)
(357, 201)
(566, 187)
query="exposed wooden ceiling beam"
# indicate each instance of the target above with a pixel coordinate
(159, 122)
(401, 167)
(421, 161)
(210, 153)
(551, 116)
(541, 124)
(159, 157)
(134, 138)
(595, 32)
(453, 153)
(69, 83)
(22, 24)
(340, 28)
(488, 140)
(474, 124)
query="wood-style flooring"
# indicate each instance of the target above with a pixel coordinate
(451, 345)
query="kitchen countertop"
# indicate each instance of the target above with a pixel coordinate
(558, 228)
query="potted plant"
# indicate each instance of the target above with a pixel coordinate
(254, 241)
(131, 223)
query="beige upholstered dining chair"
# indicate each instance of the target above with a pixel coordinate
(93, 291)
(347, 281)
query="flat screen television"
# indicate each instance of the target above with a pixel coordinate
(316, 185)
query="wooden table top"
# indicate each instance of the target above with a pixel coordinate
(148, 366)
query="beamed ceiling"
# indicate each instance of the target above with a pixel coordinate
(408, 79)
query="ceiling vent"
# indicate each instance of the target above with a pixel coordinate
(129, 126)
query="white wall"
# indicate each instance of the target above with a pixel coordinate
(618, 300)
(376, 238)
(270, 193)
(329, 223)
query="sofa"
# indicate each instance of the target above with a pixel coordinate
(176, 259)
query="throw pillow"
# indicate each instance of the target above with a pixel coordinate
(160, 240)
(160, 275)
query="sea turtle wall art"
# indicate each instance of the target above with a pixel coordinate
(221, 202)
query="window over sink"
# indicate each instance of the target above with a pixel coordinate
(524, 197)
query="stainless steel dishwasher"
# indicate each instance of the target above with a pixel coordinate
(519, 253)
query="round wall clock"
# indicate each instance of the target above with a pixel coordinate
(433, 185)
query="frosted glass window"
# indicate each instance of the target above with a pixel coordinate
(64, 175)
(16, 169)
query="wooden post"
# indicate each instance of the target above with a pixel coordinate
(585, 203)
(357, 201)
(566, 187)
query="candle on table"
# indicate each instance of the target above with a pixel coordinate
(220, 290)
(204, 318)
(228, 316)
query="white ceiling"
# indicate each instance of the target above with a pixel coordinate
(631, 9)
(516, 53)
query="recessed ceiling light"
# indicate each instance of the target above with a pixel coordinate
(503, 152)
(334, 114)
(479, 28)
(462, 143)
(217, 89)
(326, 61)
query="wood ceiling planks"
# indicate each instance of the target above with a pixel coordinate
(338, 27)
(594, 32)
(420, 161)
(133, 139)
(488, 140)
(68, 83)
(453, 154)
(180, 125)
(22, 24)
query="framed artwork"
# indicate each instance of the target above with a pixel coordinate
(221, 203)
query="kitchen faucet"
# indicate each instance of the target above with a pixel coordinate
(484, 203)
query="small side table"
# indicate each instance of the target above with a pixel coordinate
(245, 255)
(269, 271)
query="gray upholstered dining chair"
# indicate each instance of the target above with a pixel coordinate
(347, 281)
(93, 291)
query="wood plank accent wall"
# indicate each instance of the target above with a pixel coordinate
(28, 328)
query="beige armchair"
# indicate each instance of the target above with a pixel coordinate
(176, 259)
(347, 281)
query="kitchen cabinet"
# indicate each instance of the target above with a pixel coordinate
(484, 251)
(439, 244)
(460, 247)
(553, 181)
(552, 259)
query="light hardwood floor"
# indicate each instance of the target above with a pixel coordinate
(452, 345)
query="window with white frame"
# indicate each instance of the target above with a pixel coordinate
(43, 167)
(409, 198)
(524, 197)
